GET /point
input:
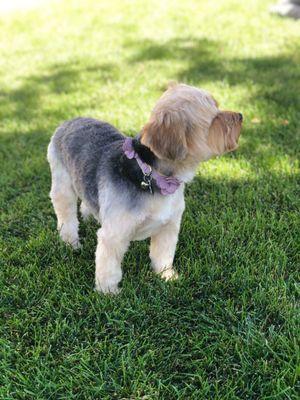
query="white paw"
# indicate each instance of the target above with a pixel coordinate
(169, 274)
(76, 244)
(70, 236)
(107, 288)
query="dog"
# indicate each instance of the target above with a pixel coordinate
(134, 187)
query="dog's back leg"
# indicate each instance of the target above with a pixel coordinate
(64, 199)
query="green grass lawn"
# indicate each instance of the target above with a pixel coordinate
(227, 329)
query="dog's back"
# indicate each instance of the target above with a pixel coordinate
(81, 139)
(83, 145)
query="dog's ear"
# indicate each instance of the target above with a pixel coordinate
(165, 135)
(223, 133)
(216, 134)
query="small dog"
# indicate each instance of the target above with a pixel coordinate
(135, 187)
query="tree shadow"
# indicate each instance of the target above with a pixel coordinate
(273, 80)
(201, 52)
(276, 77)
(30, 112)
(33, 97)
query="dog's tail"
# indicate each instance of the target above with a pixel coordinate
(172, 84)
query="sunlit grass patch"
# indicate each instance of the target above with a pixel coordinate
(227, 329)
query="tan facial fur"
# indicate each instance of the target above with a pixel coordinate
(186, 125)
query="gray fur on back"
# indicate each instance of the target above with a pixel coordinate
(90, 150)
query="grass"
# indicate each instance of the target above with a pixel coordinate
(228, 329)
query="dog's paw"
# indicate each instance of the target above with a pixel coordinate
(70, 237)
(169, 274)
(76, 245)
(107, 289)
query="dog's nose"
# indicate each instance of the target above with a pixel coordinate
(240, 117)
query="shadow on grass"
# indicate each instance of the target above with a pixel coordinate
(274, 80)
(30, 113)
(56, 94)
(276, 77)
(35, 96)
(236, 247)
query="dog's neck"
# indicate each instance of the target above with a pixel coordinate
(147, 165)
(183, 170)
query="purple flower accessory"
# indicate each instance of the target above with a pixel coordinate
(166, 184)
(128, 148)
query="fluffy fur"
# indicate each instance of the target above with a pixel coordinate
(86, 159)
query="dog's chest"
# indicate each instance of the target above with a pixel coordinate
(158, 213)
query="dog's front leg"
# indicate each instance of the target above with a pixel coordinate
(163, 247)
(109, 254)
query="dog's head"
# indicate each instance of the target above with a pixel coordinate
(186, 123)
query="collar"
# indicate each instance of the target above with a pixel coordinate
(166, 184)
